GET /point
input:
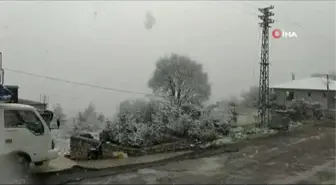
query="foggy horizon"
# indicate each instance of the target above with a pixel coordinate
(106, 44)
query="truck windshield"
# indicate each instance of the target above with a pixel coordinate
(23, 118)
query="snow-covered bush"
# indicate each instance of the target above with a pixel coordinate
(301, 109)
(197, 124)
(202, 133)
(146, 123)
(180, 126)
(241, 132)
(124, 130)
(136, 127)
(140, 124)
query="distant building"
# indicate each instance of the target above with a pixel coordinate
(14, 99)
(312, 89)
(37, 105)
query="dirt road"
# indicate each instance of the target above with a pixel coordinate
(304, 156)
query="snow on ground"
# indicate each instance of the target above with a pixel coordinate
(197, 170)
(62, 138)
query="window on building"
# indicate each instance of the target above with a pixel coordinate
(273, 96)
(324, 94)
(289, 95)
(309, 94)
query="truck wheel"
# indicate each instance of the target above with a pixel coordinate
(21, 163)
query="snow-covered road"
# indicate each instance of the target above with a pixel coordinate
(291, 158)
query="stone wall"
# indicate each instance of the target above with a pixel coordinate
(79, 147)
(168, 147)
(109, 148)
(329, 114)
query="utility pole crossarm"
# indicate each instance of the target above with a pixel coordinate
(262, 10)
(264, 92)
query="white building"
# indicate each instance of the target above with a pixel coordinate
(312, 89)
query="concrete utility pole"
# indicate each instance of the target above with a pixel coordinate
(264, 94)
(2, 77)
(2, 124)
(328, 96)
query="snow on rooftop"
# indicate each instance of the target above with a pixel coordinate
(312, 83)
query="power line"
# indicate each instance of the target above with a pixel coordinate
(77, 83)
(80, 83)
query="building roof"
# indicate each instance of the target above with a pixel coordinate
(29, 102)
(16, 106)
(311, 83)
(12, 86)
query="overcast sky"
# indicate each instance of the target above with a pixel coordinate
(106, 44)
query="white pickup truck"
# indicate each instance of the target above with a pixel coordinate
(25, 138)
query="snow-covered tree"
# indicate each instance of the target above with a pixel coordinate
(132, 106)
(101, 117)
(90, 111)
(89, 120)
(180, 80)
(58, 112)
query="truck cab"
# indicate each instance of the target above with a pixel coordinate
(25, 137)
